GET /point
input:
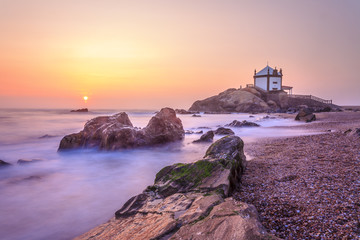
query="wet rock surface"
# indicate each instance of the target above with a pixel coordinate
(224, 131)
(117, 132)
(4, 164)
(244, 123)
(306, 115)
(28, 161)
(206, 137)
(189, 201)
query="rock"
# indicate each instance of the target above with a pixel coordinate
(28, 161)
(305, 114)
(117, 132)
(188, 195)
(192, 132)
(80, 110)
(231, 100)
(244, 123)
(353, 132)
(253, 91)
(182, 111)
(227, 220)
(254, 100)
(189, 201)
(164, 127)
(272, 104)
(4, 164)
(324, 109)
(196, 115)
(224, 131)
(47, 136)
(207, 137)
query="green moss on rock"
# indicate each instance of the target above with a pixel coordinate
(192, 173)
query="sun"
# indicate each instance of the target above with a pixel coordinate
(85, 98)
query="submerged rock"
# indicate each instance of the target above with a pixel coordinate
(206, 137)
(117, 132)
(80, 110)
(244, 123)
(189, 201)
(305, 114)
(192, 132)
(224, 131)
(4, 164)
(47, 136)
(28, 161)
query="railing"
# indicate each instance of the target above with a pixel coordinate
(311, 97)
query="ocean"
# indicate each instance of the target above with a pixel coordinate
(67, 194)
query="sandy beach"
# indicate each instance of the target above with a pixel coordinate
(307, 187)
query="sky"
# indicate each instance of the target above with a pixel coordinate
(151, 54)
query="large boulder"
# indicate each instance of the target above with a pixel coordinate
(305, 114)
(189, 201)
(231, 100)
(117, 132)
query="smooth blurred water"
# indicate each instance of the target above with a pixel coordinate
(67, 194)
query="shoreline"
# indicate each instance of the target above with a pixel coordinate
(307, 186)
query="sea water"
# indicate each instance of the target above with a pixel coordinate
(67, 194)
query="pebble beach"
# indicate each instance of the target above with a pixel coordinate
(307, 187)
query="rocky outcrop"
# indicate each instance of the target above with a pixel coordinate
(182, 111)
(80, 110)
(4, 164)
(231, 100)
(189, 201)
(117, 132)
(206, 137)
(255, 100)
(224, 131)
(244, 123)
(305, 114)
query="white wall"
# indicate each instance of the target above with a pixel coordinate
(261, 83)
(275, 82)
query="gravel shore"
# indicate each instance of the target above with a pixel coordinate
(308, 187)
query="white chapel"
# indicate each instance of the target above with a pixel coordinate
(268, 79)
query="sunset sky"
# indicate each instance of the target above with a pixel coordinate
(152, 54)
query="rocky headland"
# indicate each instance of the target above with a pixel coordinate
(117, 132)
(190, 201)
(254, 100)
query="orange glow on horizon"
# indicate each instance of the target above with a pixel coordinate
(172, 53)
